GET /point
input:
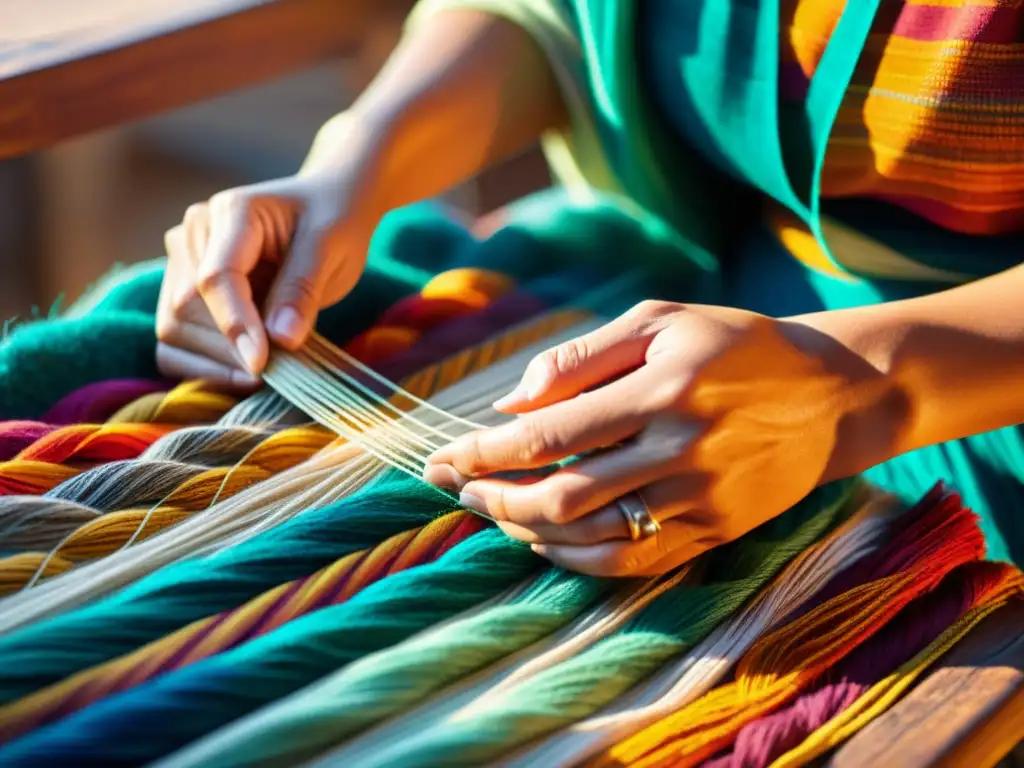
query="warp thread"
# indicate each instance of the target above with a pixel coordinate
(780, 665)
(910, 632)
(447, 297)
(420, 314)
(151, 720)
(495, 724)
(331, 585)
(47, 651)
(319, 481)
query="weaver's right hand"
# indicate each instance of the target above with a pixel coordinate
(255, 264)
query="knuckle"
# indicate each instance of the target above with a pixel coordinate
(652, 309)
(561, 507)
(569, 355)
(534, 441)
(623, 563)
(181, 301)
(212, 277)
(728, 528)
(469, 460)
(498, 504)
(172, 239)
(194, 212)
(228, 201)
(300, 290)
(166, 330)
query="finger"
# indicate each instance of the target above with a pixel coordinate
(232, 252)
(578, 364)
(183, 320)
(203, 340)
(182, 364)
(606, 524)
(583, 486)
(444, 476)
(295, 297)
(593, 420)
(677, 542)
(196, 226)
(666, 500)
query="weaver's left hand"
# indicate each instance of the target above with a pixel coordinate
(720, 418)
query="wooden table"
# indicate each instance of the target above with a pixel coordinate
(72, 66)
(68, 67)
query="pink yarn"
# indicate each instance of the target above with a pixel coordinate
(97, 402)
(759, 743)
(17, 435)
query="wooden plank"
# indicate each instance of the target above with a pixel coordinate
(113, 61)
(968, 712)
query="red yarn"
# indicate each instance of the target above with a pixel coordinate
(87, 444)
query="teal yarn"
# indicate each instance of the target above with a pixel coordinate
(316, 718)
(48, 651)
(44, 360)
(677, 620)
(154, 719)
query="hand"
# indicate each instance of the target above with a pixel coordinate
(725, 418)
(288, 247)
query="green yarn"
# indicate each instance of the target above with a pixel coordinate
(44, 360)
(165, 714)
(674, 622)
(50, 650)
(300, 727)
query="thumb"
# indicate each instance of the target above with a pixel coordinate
(574, 366)
(295, 297)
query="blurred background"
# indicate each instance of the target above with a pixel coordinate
(68, 213)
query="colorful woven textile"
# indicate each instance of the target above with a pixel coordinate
(931, 119)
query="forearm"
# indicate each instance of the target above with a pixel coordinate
(955, 357)
(461, 92)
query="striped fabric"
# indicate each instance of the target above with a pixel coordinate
(934, 118)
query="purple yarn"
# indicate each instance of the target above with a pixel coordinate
(759, 743)
(15, 436)
(97, 402)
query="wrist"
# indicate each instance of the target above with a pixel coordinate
(875, 412)
(349, 155)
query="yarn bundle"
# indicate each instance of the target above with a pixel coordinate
(189, 578)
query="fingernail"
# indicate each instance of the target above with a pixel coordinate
(512, 399)
(286, 323)
(470, 501)
(444, 476)
(247, 351)
(532, 386)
